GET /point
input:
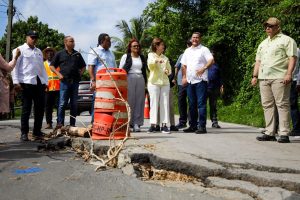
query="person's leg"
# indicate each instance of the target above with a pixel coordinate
(73, 103)
(164, 107)
(268, 105)
(164, 104)
(281, 94)
(154, 92)
(64, 95)
(182, 104)
(213, 107)
(139, 100)
(50, 103)
(295, 115)
(26, 108)
(39, 106)
(171, 107)
(201, 92)
(191, 93)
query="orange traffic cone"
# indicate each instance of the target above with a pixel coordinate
(147, 107)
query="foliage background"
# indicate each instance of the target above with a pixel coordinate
(233, 30)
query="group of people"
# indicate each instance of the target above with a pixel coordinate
(52, 75)
(42, 77)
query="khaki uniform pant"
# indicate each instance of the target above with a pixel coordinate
(274, 93)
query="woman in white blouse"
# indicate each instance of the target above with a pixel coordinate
(159, 85)
(135, 65)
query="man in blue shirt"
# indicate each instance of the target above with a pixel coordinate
(214, 88)
(95, 64)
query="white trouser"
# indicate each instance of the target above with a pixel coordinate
(159, 97)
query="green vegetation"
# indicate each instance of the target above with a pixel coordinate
(233, 29)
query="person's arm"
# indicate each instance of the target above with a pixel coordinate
(92, 77)
(184, 80)
(288, 77)
(8, 67)
(255, 73)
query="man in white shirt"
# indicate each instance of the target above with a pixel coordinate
(195, 62)
(30, 77)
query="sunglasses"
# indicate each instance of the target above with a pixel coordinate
(33, 37)
(135, 46)
(270, 26)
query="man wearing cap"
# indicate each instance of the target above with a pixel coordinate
(30, 77)
(72, 66)
(275, 61)
(95, 64)
(52, 91)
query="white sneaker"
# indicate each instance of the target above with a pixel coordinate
(136, 128)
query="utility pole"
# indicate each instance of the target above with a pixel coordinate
(10, 14)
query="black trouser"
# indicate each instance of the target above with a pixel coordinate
(52, 98)
(35, 93)
(213, 94)
(182, 104)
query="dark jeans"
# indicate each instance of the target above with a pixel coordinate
(294, 107)
(67, 91)
(197, 94)
(52, 98)
(212, 95)
(182, 104)
(35, 93)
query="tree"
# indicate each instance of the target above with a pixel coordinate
(47, 36)
(137, 29)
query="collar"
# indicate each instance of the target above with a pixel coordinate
(279, 34)
(28, 47)
(197, 47)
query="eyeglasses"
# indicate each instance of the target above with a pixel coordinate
(136, 46)
(269, 26)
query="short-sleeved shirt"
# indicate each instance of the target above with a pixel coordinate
(196, 58)
(179, 72)
(274, 55)
(69, 64)
(106, 55)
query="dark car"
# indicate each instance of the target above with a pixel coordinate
(85, 97)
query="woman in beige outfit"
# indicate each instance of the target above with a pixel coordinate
(4, 83)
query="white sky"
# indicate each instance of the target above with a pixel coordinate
(82, 19)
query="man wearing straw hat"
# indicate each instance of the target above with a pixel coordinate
(52, 91)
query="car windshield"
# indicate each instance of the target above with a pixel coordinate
(84, 86)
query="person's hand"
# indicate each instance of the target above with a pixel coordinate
(18, 87)
(60, 76)
(166, 71)
(18, 53)
(184, 81)
(222, 89)
(174, 81)
(93, 86)
(200, 71)
(254, 81)
(298, 88)
(287, 79)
